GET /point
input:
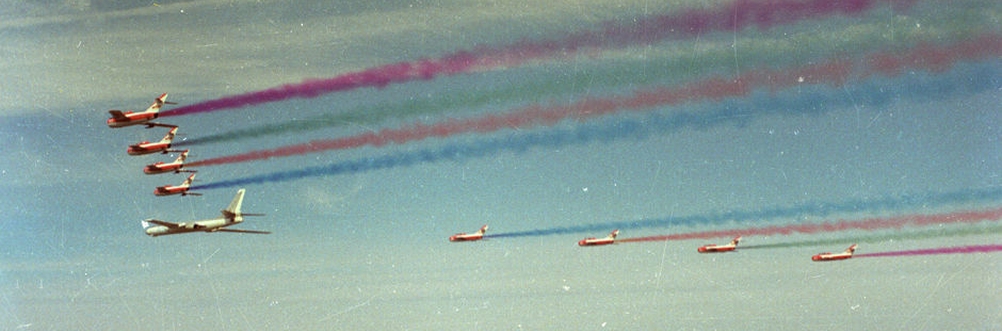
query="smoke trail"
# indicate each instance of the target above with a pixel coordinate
(869, 224)
(678, 68)
(836, 72)
(936, 233)
(972, 79)
(714, 88)
(936, 251)
(833, 72)
(737, 15)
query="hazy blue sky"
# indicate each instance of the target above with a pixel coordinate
(360, 235)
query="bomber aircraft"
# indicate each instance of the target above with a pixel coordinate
(231, 216)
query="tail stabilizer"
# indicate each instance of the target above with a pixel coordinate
(234, 207)
(736, 240)
(160, 101)
(483, 229)
(613, 234)
(851, 249)
(187, 182)
(182, 157)
(170, 135)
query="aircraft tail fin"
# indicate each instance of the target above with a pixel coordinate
(613, 234)
(182, 157)
(170, 135)
(851, 249)
(234, 208)
(483, 229)
(160, 102)
(187, 182)
(736, 240)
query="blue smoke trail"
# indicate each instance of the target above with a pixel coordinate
(964, 80)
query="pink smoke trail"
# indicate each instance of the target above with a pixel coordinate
(835, 72)
(869, 224)
(936, 251)
(735, 16)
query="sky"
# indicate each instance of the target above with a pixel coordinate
(368, 133)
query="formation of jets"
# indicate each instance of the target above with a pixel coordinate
(232, 214)
(152, 227)
(708, 248)
(129, 118)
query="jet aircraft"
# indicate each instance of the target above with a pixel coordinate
(122, 119)
(161, 167)
(231, 216)
(610, 239)
(826, 256)
(146, 147)
(470, 237)
(179, 189)
(714, 248)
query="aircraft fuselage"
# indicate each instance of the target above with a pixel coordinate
(197, 226)
(148, 148)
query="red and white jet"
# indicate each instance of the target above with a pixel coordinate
(611, 238)
(470, 237)
(179, 189)
(147, 147)
(161, 167)
(826, 256)
(714, 248)
(122, 119)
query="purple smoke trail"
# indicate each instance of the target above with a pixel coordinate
(937, 251)
(737, 15)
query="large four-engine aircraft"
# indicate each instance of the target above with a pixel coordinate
(231, 216)
(122, 119)
(146, 147)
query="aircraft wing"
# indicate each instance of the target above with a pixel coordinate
(118, 115)
(163, 223)
(242, 231)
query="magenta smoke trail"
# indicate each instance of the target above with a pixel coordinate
(871, 224)
(735, 16)
(835, 72)
(936, 251)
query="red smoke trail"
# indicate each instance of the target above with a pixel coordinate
(737, 15)
(709, 89)
(937, 251)
(869, 224)
(835, 72)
